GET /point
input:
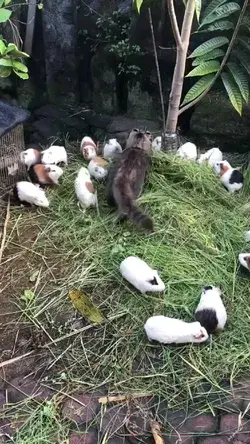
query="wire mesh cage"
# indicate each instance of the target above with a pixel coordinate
(12, 168)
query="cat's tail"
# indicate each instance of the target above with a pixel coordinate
(128, 208)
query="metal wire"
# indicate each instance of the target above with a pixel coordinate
(11, 168)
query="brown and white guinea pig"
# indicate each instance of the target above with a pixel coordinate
(30, 157)
(211, 312)
(45, 174)
(231, 178)
(88, 148)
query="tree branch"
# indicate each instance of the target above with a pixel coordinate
(174, 24)
(223, 63)
(158, 70)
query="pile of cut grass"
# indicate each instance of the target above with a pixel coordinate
(199, 234)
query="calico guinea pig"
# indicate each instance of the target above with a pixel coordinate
(98, 168)
(231, 178)
(55, 155)
(111, 148)
(211, 156)
(84, 189)
(174, 331)
(140, 275)
(45, 174)
(31, 157)
(211, 312)
(88, 148)
(187, 151)
(28, 193)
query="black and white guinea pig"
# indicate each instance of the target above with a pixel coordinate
(211, 312)
(231, 178)
(244, 260)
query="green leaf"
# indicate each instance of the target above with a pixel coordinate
(205, 68)
(28, 296)
(209, 45)
(7, 2)
(221, 12)
(240, 78)
(211, 55)
(14, 51)
(211, 8)
(1, 3)
(232, 91)
(40, 5)
(19, 66)
(243, 57)
(5, 62)
(222, 25)
(244, 42)
(198, 88)
(4, 15)
(5, 72)
(198, 9)
(83, 304)
(2, 47)
(22, 75)
(138, 4)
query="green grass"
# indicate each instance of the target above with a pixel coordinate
(199, 233)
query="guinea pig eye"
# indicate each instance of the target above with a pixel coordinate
(148, 133)
(136, 130)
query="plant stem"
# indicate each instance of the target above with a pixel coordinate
(179, 71)
(223, 63)
(174, 23)
(158, 70)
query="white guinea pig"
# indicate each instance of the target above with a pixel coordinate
(231, 178)
(157, 143)
(211, 156)
(187, 151)
(174, 331)
(140, 275)
(27, 192)
(55, 155)
(211, 312)
(111, 148)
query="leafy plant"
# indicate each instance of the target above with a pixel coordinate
(113, 35)
(10, 55)
(226, 56)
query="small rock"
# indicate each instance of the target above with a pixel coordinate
(231, 423)
(113, 420)
(90, 437)
(138, 423)
(81, 409)
(203, 423)
(2, 400)
(118, 440)
(213, 440)
(19, 389)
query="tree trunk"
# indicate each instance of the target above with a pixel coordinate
(59, 32)
(179, 72)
